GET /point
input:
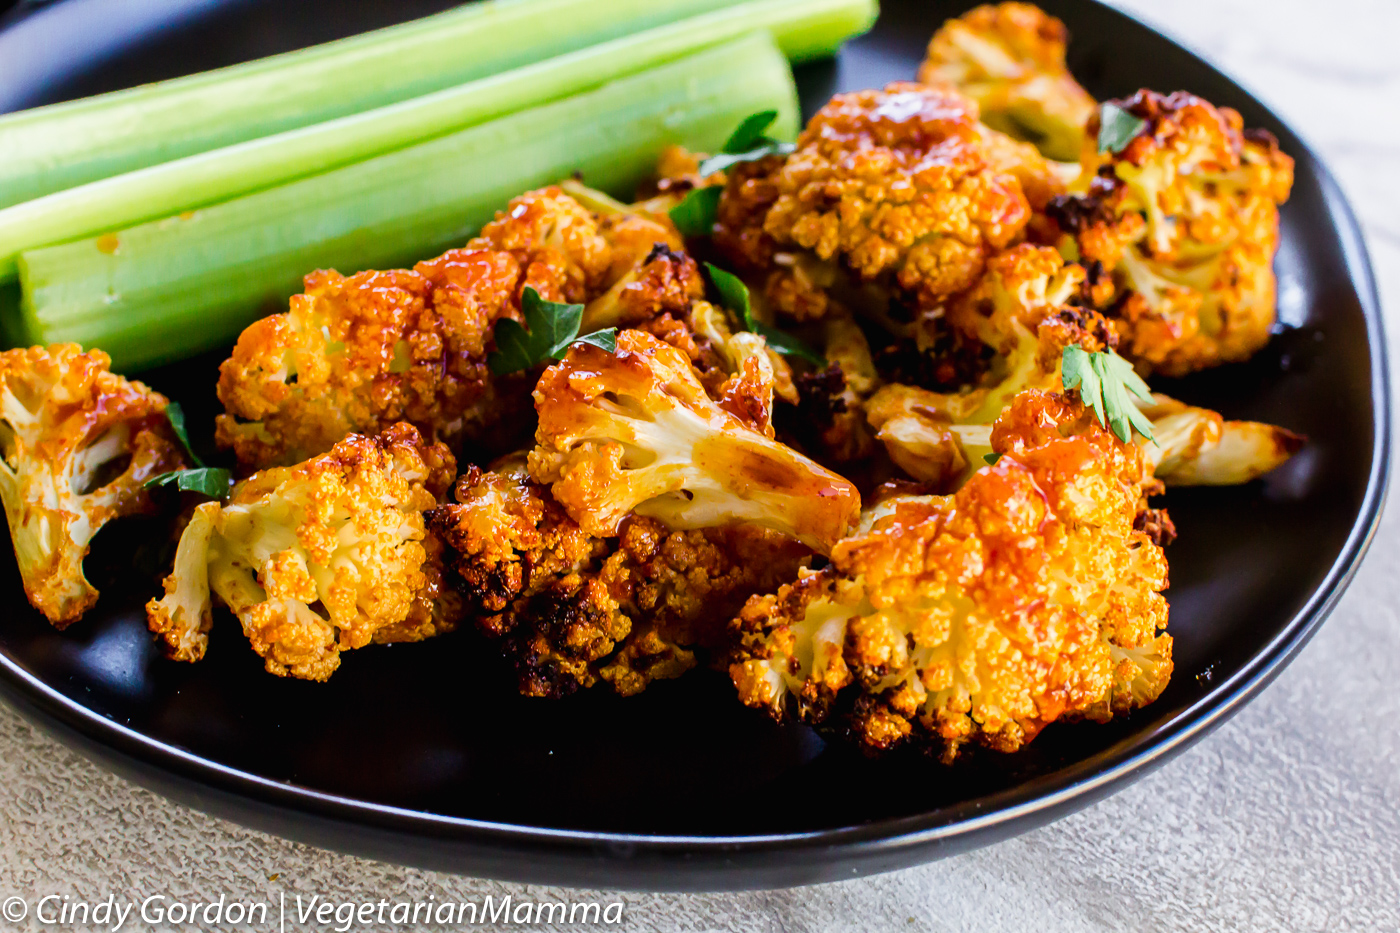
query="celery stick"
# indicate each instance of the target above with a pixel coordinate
(59, 146)
(807, 26)
(173, 287)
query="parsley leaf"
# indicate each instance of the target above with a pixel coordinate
(552, 329)
(750, 132)
(210, 481)
(734, 295)
(726, 161)
(1117, 128)
(602, 339)
(991, 459)
(787, 344)
(176, 416)
(748, 143)
(695, 215)
(1104, 381)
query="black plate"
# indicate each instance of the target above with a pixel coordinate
(423, 754)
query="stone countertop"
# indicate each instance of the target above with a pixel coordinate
(1287, 818)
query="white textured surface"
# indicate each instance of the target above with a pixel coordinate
(1284, 819)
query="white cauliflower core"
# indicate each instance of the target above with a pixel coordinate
(635, 431)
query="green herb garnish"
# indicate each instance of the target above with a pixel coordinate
(210, 481)
(602, 339)
(552, 329)
(748, 143)
(991, 459)
(176, 416)
(695, 215)
(1104, 380)
(734, 295)
(1117, 128)
(750, 132)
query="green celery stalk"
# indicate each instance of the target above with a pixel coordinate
(801, 27)
(172, 287)
(55, 147)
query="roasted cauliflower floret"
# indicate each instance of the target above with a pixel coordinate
(1026, 597)
(1197, 447)
(358, 354)
(1185, 218)
(921, 439)
(571, 609)
(313, 559)
(1019, 318)
(77, 444)
(661, 281)
(635, 431)
(557, 242)
(1022, 311)
(895, 187)
(1010, 58)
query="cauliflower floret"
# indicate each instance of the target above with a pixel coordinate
(750, 190)
(656, 287)
(1185, 218)
(570, 609)
(1026, 597)
(357, 354)
(361, 353)
(1197, 447)
(1010, 58)
(1022, 312)
(663, 280)
(635, 431)
(313, 559)
(920, 437)
(77, 444)
(557, 242)
(895, 186)
(1019, 318)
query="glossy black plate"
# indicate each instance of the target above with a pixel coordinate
(423, 754)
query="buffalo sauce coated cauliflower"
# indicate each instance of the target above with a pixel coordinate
(894, 187)
(557, 242)
(1010, 58)
(77, 444)
(1197, 447)
(1026, 597)
(571, 609)
(1019, 317)
(357, 354)
(361, 353)
(1185, 218)
(313, 559)
(635, 431)
(1023, 311)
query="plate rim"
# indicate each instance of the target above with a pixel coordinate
(182, 775)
